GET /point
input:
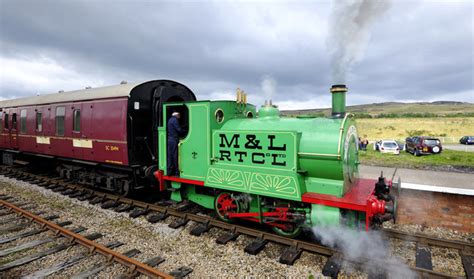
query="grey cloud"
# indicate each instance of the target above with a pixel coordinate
(218, 46)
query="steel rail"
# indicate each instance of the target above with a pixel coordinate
(134, 265)
(430, 240)
(240, 229)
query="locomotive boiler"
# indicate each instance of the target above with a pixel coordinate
(288, 173)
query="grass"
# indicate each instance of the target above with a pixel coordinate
(450, 130)
(438, 108)
(445, 160)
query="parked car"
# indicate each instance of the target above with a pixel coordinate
(423, 145)
(387, 146)
(467, 140)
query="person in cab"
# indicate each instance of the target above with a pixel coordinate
(174, 132)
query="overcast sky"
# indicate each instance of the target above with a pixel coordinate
(417, 51)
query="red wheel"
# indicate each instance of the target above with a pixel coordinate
(226, 204)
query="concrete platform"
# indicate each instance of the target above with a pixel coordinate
(424, 180)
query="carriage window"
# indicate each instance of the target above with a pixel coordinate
(14, 126)
(23, 121)
(76, 125)
(39, 121)
(60, 113)
(6, 121)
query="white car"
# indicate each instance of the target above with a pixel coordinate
(388, 146)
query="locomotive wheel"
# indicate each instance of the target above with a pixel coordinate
(292, 229)
(225, 204)
(292, 232)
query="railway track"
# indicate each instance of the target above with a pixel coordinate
(72, 238)
(294, 247)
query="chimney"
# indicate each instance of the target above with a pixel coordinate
(338, 92)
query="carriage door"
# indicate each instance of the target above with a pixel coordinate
(77, 137)
(86, 131)
(14, 130)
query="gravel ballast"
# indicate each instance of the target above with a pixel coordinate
(177, 246)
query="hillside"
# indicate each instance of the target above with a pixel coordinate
(439, 108)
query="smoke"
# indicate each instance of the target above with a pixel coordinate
(349, 33)
(268, 86)
(370, 246)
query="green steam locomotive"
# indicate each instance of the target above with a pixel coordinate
(288, 173)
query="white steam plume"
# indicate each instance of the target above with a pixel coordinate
(349, 32)
(268, 86)
(357, 245)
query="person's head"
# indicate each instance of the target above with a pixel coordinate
(176, 114)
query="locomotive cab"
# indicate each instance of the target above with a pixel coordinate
(145, 114)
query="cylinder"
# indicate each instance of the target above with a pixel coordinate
(338, 92)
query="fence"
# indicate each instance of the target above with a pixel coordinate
(443, 140)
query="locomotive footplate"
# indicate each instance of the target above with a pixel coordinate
(360, 198)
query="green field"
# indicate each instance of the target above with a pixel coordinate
(448, 129)
(448, 121)
(446, 160)
(375, 110)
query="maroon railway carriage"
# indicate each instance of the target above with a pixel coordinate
(104, 137)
